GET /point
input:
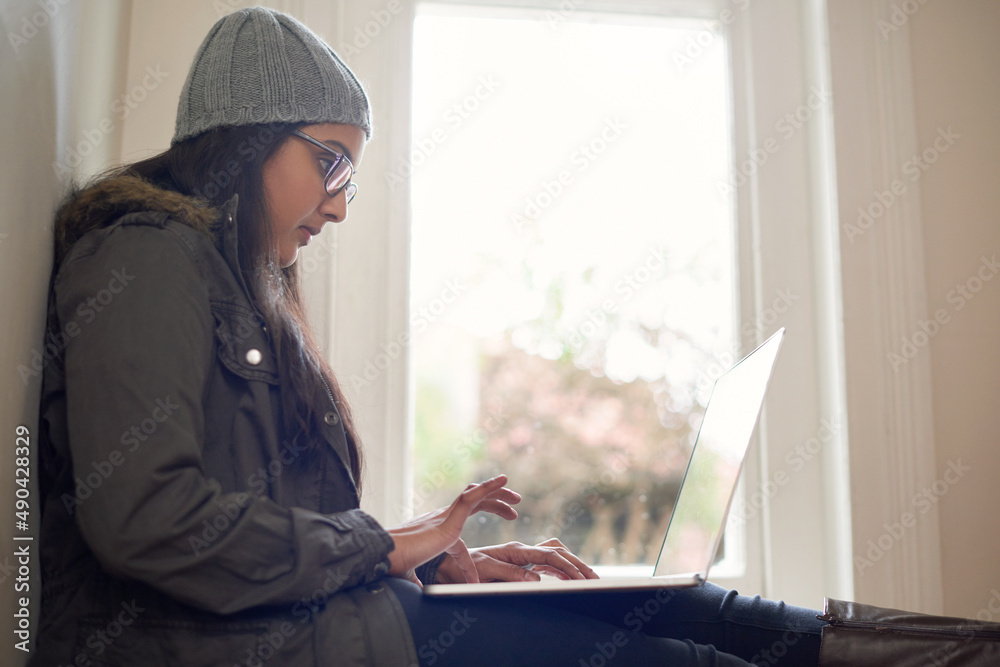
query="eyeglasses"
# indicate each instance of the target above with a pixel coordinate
(339, 174)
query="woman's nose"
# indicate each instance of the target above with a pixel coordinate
(334, 208)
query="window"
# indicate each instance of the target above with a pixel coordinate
(572, 266)
(374, 316)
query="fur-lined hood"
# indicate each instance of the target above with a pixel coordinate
(99, 205)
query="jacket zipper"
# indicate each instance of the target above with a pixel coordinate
(329, 393)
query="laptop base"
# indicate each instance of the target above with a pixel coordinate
(555, 585)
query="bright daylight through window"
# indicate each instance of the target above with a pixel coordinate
(572, 266)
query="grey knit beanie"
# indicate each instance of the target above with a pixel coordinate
(261, 66)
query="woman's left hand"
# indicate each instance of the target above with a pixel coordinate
(429, 534)
(518, 562)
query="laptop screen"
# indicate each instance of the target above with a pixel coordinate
(699, 515)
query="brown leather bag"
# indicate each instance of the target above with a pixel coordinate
(860, 634)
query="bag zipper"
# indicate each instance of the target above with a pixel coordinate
(992, 635)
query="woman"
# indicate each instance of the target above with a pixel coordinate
(200, 467)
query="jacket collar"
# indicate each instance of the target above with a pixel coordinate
(100, 205)
(109, 200)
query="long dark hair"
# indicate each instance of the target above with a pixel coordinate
(229, 161)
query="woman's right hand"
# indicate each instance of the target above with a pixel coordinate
(519, 562)
(426, 536)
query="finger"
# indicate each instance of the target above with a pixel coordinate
(463, 560)
(552, 542)
(588, 572)
(506, 495)
(476, 493)
(469, 501)
(550, 571)
(498, 490)
(557, 561)
(500, 499)
(557, 558)
(491, 569)
(500, 508)
(452, 518)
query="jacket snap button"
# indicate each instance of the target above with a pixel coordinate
(381, 569)
(331, 418)
(254, 357)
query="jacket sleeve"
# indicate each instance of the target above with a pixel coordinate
(139, 330)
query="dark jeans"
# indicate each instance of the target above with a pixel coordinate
(681, 627)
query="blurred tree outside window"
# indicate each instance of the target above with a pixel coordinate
(573, 266)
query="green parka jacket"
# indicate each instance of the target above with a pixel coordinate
(177, 528)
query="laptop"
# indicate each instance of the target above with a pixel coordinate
(694, 532)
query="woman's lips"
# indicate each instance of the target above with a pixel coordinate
(306, 233)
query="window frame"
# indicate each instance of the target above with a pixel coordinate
(786, 237)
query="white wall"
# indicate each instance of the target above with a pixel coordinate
(59, 82)
(25, 255)
(915, 109)
(956, 59)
